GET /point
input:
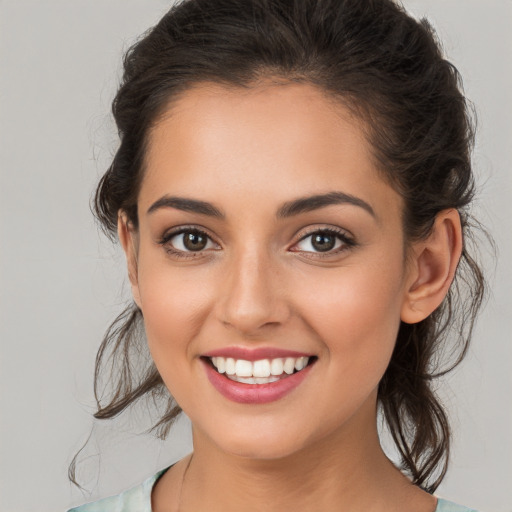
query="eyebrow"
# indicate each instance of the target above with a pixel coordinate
(288, 209)
(310, 203)
(187, 205)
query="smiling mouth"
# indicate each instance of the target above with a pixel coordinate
(263, 371)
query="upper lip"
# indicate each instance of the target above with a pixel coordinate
(254, 354)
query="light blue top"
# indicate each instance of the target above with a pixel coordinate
(138, 499)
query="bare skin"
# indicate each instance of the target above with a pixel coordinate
(259, 281)
(295, 483)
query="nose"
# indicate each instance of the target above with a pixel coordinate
(252, 296)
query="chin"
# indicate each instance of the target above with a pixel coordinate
(261, 443)
(262, 452)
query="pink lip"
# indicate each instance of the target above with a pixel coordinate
(254, 354)
(254, 393)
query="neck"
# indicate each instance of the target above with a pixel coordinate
(347, 467)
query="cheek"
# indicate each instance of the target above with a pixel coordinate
(356, 313)
(174, 307)
(352, 312)
(169, 307)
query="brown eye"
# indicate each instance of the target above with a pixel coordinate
(326, 241)
(188, 240)
(194, 241)
(323, 241)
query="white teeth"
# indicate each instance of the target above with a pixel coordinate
(276, 367)
(266, 380)
(230, 365)
(261, 368)
(289, 365)
(253, 380)
(220, 364)
(301, 363)
(243, 368)
(262, 371)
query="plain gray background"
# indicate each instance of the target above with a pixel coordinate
(61, 282)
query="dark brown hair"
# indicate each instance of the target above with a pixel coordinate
(388, 68)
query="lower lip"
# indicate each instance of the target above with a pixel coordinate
(254, 393)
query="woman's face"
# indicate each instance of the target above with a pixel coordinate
(266, 234)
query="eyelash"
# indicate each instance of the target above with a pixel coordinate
(177, 253)
(347, 242)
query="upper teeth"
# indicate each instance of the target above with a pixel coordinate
(261, 368)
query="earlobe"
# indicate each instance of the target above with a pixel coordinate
(129, 243)
(433, 267)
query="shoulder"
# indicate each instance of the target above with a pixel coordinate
(137, 499)
(448, 506)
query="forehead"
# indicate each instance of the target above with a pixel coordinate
(277, 116)
(269, 141)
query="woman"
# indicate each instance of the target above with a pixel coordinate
(291, 193)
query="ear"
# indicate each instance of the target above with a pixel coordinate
(129, 242)
(432, 267)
